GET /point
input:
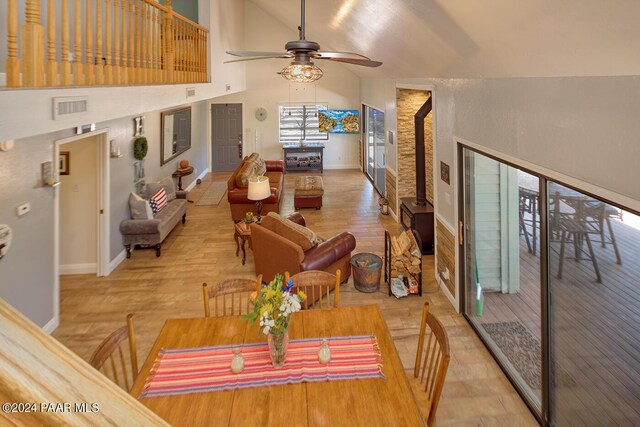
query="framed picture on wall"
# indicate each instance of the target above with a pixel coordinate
(444, 172)
(63, 165)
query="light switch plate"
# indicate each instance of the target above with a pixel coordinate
(23, 209)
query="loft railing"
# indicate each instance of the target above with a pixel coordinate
(103, 43)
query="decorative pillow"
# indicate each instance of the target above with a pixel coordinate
(261, 167)
(139, 207)
(247, 170)
(291, 231)
(166, 183)
(158, 201)
(169, 187)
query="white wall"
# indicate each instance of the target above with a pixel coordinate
(78, 207)
(339, 88)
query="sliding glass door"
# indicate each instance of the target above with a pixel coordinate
(502, 295)
(552, 286)
(373, 146)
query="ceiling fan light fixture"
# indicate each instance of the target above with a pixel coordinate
(301, 73)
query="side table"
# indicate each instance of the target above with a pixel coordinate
(180, 173)
(242, 234)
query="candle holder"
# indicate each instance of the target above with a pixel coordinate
(237, 361)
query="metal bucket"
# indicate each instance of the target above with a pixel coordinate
(367, 269)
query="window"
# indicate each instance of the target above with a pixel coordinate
(301, 122)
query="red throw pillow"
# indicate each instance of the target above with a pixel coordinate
(158, 201)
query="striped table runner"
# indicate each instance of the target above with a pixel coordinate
(203, 369)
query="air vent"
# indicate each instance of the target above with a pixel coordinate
(191, 91)
(69, 106)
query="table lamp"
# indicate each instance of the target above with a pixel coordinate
(259, 190)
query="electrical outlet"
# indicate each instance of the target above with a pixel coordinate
(23, 209)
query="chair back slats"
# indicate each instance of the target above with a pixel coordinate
(230, 297)
(318, 286)
(110, 358)
(432, 360)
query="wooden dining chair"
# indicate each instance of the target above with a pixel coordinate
(230, 297)
(109, 357)
(569, 220)
(317, 285)
(432, 362)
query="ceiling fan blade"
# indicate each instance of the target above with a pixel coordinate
(245, 53)
(253, 58)
(347, 57)
(341, 55)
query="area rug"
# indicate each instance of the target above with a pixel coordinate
(524, 352)
(213, 194)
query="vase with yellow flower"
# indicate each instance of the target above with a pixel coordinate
(273, 307)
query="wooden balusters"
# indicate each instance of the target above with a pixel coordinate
(78, 77)
(125, 42)
(145, 45)
(99, 58)
(108, 69)
(116, 43)
(155, 57)
(131, 38)
(52, 64)
(12, 63)
(89, 67)
(149, 59)
(137, 24)
(65, 66)
(169, 42)
(33, 46)
(123, 58)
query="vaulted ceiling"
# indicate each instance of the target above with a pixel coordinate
(474, 38)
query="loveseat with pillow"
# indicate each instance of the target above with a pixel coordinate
(238, 186)
(285, 244)
(153, 217)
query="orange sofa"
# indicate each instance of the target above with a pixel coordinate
(237, 186)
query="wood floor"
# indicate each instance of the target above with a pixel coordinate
(595, 327)
(476, 391)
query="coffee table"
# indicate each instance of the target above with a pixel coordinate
(242, 234)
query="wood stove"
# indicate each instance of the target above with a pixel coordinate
(420, 219)
(417, 214)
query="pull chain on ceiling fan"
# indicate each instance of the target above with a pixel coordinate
(303, 52)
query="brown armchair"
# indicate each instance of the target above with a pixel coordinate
(274, 253)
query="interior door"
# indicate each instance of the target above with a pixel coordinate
(226, 137)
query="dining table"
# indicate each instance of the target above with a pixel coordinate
(386, 401)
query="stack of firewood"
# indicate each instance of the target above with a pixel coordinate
(405, 255)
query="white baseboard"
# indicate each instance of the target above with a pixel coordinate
(194, 183)
(393, 215)
(116, 261)
(354, 166)
(67, 269)
(446, 293)
(51, 325)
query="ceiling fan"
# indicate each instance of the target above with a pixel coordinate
(302, 69)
